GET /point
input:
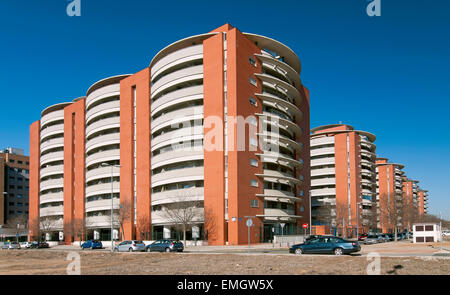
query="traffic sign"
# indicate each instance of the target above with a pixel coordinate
(305, 225)
(249, 222)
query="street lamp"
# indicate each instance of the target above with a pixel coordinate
(112, 201)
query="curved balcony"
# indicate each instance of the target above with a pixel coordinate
(276, 175)
(52, 130)
(281, 86)
(178, 175)
(51, 157)
(279, 66)
(52, 211)
(323, 192)
(178, 116)
(102, 109)
(320, 141)
(52, 143)
(100, 222)
(268, 157)
(102, 140)
(101, 93)
(51, 170)
(276, 101)
(102, 188)
(181, 195)
(176, 156)
(52, 117)
(105, 156)
(177, 136)
(323, 161)
(101, 125)
(277, 195)
(322, 151)
(180, 76)
(50, 198)
(365, 163)
(275, 138)
(323, 181)
(287, 125)
(102, 205)
(175, 141)
(101, 172)
(175, 58)
(175, 97)
(51, 183)
(323, 171)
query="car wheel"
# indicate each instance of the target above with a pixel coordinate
(130, 250)
(167, 250)
(116, 250)
(148, 249)
(298, 251)
(338, 251)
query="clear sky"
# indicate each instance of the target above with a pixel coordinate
(389, 75)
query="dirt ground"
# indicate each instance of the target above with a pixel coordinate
(105, 263)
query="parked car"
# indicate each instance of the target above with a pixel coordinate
(10, 245)
(92, 244)
(39, 245)
(399, 237)
(165, 246)
(372, 239)
(446, 233)
(326, 245)
(386, 237)
(362, 237)
(25, 245)
(130, 246)
(391, 237)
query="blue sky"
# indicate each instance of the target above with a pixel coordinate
(388, 75)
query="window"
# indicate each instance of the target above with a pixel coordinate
(301, 193)
(253, 121)
(253, 102)
(302, 209)
(252, 61)
(419, 227)
(253, 141)
(254, 162)
(11, 161)
(253, 81)
(254, 203)
(20, 162)
(254, 183)
(428, 228)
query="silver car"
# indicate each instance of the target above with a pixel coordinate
(10, 245)
(130, 246)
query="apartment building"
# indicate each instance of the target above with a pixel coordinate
(389, 199)
(14, 186)
(217, 124)
(343, 178)
(409, 210)
(422, 202)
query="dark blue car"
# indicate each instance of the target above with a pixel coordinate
(165, 246)
(326, 245)
(92, 244)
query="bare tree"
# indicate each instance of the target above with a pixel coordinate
(33, 226)
(48, 223)
(144, 227)
(209, 224)
(184, 212)
(18, 223)
(123, 216)
(341, 217)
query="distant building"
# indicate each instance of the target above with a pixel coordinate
(14, 185)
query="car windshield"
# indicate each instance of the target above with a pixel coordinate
(372, 237)
(138, 242)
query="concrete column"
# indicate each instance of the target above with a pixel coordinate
(115, 234)
(166, 232)
(47, 236)
(96, 235)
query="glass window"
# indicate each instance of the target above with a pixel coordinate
(252, 61)
(254, 203)
(253, 81)
(253, 102)
(254, 162)
(254, 183)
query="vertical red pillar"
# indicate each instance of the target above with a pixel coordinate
(136, 85)
(240, 172)
(214, 159)
(74, 170)
(33, 196)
